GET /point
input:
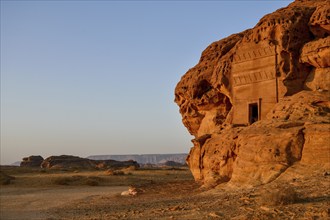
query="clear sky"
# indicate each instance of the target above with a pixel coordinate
(98, 77)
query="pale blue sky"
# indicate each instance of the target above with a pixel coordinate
(98, 77)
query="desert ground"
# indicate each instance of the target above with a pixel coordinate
(165, 193)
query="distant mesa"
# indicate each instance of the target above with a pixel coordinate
(104, 161)
(74, 162)
(145, 159)
(258, 101)
(17, 163)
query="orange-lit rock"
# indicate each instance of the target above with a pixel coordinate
(243, 100)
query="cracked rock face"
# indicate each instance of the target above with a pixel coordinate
(244, 101)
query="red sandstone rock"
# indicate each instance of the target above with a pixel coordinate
(255, 77)
(317, 53)
(319, 22)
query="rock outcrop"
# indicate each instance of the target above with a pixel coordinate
(32, 161)
(258, 101)
(74, 162)
(297, 129)
(317, 54)
(67, 161)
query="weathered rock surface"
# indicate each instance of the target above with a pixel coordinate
(296, 130)
(32, 161)
(74, 162)
(319, 22)
(244, 102)
(316, 53)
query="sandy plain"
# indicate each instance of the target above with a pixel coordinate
(168, 193)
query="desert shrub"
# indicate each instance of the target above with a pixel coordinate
(109, 172)
(119, 172)
(114, 172)
(281, 196)
(92, 182)
(5, 182)
(62, 180)
(77, 180)
(130, 168)
(66, 180)
(5, 179)
(97, 178)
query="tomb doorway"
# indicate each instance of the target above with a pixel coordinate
(253, 113)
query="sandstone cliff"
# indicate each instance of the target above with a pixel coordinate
(258, 101)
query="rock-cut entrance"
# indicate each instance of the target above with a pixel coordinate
(253, 113)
